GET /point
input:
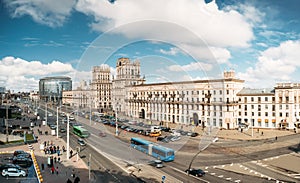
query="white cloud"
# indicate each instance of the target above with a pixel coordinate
(207, 21)
(21, 75)
(274, 64)
(193, 66)
(172, 51)
(51, 13)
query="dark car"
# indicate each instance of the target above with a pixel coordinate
(195, 172)
(9, 165)
(24, 155)
(165, 129)
(19, 152)
(194, 134)
(23, 162)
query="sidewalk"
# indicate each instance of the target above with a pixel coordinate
(65, 167)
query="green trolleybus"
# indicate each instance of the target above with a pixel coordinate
(80, 131)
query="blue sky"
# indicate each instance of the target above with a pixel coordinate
(174, 40)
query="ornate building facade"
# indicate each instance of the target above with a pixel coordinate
(127, 74)
(201, 102)
(101, 87)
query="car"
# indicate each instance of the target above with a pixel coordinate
(22, 162)
(24, 155)
(16, 152)
(194, 134)
(195, 172)
(62, 130)
(81, 142)
(161, 138)
(102, 134)
(156, 163)
(165, 129)
(53, 127)
(13, 172)
(175, 138)
(9, 165)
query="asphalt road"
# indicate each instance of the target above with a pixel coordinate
(104, 169)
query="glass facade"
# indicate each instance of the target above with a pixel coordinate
(50, 88)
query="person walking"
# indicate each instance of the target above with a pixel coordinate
(52, 169)
(77, 180)
(69, 181)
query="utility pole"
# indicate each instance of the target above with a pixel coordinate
(90, 166)
(68, 137)
(6, 122)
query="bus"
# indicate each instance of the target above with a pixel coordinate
(152, 149)
(80, 131)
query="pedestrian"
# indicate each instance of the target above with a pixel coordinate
(71, 153)
(54, 159)
(52, 169)
(58, 152)
(69, 181)
(57, 170)
(73, 173)
(77, 180)
(276, 138)
(58, 159)
(262, 133)
(63, 148)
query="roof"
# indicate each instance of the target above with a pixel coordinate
(262, 91)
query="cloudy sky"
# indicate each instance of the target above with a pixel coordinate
(174, 40)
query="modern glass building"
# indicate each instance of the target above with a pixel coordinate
(50, 88)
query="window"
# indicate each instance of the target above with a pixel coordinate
(266, 99)
(220, 92)
(287, 114)
(259, 114)
(252, 99)
(259, 108)
(266, 106)
(227, 91)
(266, 113)
(287, 106)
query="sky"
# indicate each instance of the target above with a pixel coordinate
(174, 40)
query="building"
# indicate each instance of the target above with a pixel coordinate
(202, 102)
(101, 87)
(127, 74)
(51, 88)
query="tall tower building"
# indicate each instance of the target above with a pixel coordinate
(127, 74)
(101, 88)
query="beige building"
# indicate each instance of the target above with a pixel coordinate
(127, 74)
(201, 102)
(277, 107)
(101, 88)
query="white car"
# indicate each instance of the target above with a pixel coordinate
(13, 172)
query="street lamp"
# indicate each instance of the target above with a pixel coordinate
(68, 136)
(57, 121)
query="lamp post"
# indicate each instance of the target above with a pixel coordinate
(68, 136)
(57, 121)
(6, 122)
(116, 123)
(46, 114)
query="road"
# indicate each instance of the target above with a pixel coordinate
(215, 156)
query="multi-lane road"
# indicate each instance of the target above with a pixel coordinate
(106, 151)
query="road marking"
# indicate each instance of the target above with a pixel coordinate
(221, 176)
(237, 181)
(212, 173)
(228, 178)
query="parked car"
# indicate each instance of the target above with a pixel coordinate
(194, 134)
(13, 172)
(24, 155)
(165, 129)
(22, 162)
(175, 138)
(9, 165)
(81, 142)
(16, 152)
(195, 172)
(62, 130)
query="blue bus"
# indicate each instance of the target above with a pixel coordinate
(152, 149)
